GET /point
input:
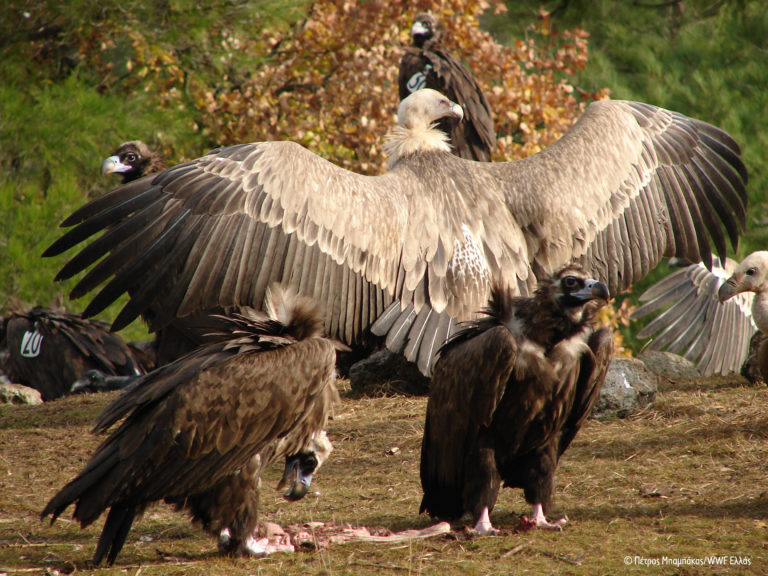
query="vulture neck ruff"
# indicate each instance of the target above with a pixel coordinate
(402, 142)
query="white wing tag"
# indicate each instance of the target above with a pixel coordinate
(31, 343)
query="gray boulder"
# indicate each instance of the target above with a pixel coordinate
(669, 365)
(629, 387)
(11, 393)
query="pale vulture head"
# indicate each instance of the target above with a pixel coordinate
(424, 107)
(750, 276)
(416, 129)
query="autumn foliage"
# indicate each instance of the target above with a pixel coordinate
(330, 81)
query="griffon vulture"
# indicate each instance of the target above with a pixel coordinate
(132, 160)
(48, 349)
(690, 320)
(197, 432)
(428, 64)
(508, 394)
(751, 275)
(408, 253)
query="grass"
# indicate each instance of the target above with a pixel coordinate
(683, 480)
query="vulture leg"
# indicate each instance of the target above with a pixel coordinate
(483, 525)
(482, 483)
(539, 520)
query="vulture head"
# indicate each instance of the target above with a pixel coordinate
(416, 129)
(571, 291)
(132, 160)
(300, 467)
(426, 29)
(751, 275)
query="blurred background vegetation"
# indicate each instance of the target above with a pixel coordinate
(77, 78)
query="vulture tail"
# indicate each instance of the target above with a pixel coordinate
(113, 535)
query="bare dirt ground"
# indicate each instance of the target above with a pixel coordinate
(678, 489)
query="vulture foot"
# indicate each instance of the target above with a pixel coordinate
(483, 527)
(539, 520)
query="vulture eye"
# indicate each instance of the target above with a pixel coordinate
(571, 282)
(131, 157)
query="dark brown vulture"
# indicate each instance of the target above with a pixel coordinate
(132, 160)
(509, 393)
(408, 253)
(428, 64)
(49, 349)
(690, 320)
(197, 432)
(751, 275)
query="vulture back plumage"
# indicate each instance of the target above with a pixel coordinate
(429, 64)
(509, 393)
(410, 252)
(198, 431)
(49, 349)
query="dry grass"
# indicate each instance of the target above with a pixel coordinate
(684, 480)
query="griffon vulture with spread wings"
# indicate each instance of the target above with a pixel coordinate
(410, 252)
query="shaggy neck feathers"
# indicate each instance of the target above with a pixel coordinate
(402, 142)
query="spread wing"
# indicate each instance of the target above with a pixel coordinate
(411, 251)
(627, 184)
(690, 320)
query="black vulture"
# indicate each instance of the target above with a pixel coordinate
(197, 432)
(751, 275)
(132, 160)
(48, 349)
(508, 394)
(408, 253)
(688, 319)
(429, 64)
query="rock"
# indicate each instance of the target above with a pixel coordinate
(629, 387)
(17, 394)
(384, 372)
(669, 365)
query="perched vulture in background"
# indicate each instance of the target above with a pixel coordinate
(509, 393)
(132, 160)
(751, 275)
(49, 349)
(428, 64)
(408, 253)
(197, 432)
(691, 321)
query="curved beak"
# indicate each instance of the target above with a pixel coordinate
(113, 164)
(728, 290)
(593, 290)
(297, 476)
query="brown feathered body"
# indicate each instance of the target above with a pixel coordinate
(49, 349)
(198, 431)
(409, 253)
(509, 393)
(429, 64)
